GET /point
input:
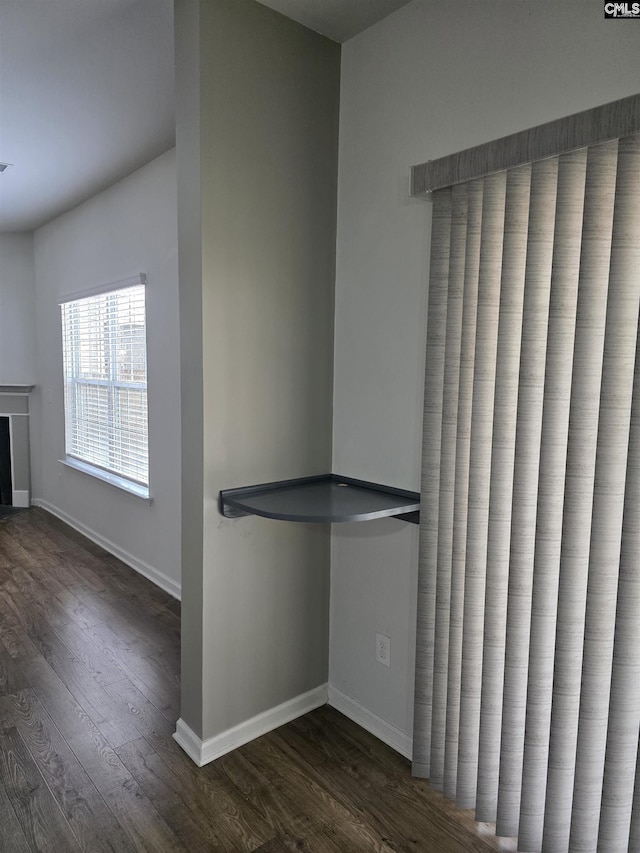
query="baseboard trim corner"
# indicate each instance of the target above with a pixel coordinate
(157, 577)
(375, 725)
(203, 752)
(189, 741)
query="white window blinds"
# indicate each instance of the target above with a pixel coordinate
(105, 381)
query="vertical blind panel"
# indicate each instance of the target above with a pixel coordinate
(544, 178)
(434, 381)
(553, 454)
(463, 441)
(608, 501)
(528, 672)
(578, 498)
(504, 434)
(634, 831)
(479, 484)
(459, 211)
(624, 711)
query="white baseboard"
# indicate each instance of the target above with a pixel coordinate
(159, 578)
(20, 498)
(386, 732)
(202, 752)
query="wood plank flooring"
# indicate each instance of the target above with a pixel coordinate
(89, 697)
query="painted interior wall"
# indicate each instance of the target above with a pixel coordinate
(17, 310)
(429, 80)
(257, 132)
(127, 229)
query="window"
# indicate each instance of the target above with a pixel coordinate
(105, 384)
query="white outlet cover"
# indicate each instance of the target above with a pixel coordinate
(383, 649)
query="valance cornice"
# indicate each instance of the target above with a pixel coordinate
(600, 124)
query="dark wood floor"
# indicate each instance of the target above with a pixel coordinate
(89, 696)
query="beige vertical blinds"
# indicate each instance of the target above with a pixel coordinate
(528, 654)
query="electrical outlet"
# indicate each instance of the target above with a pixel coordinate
(383, 649)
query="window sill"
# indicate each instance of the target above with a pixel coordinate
(134, 489)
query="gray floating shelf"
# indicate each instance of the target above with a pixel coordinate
(326, 498)
(16, 389)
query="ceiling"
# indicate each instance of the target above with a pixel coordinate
(87, 92)
(86, 97)
(340, 20)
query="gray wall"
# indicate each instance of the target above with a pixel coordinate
(187, 53)
(257, 159)
(429, 80)
(127, 229)
(17, 310)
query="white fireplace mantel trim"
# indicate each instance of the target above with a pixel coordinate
(19, 497)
